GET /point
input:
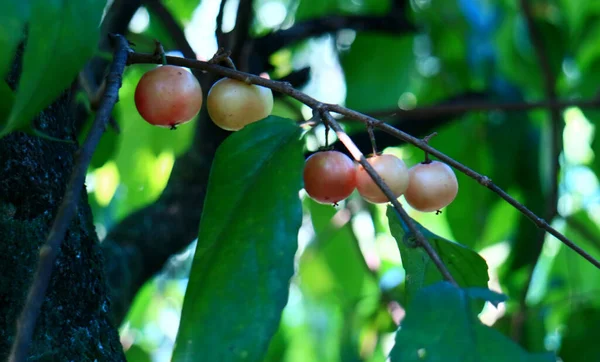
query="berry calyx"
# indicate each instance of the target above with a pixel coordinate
(233, 104)
(329, 177)
(168, 96)
(432, 186)
(392, 170)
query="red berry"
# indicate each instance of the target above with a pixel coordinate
(392, 170)
(329, 176)
(167, 96)
(432, 186)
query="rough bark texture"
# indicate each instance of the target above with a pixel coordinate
(74, 324)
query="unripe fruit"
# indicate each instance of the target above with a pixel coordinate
(167, 96)
(432, 186)
(233, 104)
(329, 176)
(392, 170)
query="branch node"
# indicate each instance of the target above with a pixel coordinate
(159, 52)
(223, 56)
(426, 141)
(485, 181)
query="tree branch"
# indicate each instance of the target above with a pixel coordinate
(270, 43)
(458, 108)
(360, 158)
(49, 252)
(286, 88)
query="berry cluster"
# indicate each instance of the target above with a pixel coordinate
(168, 96)
(331, 176)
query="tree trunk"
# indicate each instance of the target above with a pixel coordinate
(74, 323)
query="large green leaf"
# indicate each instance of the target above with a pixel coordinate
(440, 326)
(244, 260)
(467, 267)
(62, 36)
(13, 15)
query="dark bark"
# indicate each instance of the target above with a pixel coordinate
(74, 323)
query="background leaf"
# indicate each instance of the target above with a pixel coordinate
(246, 244)
(440, 326)
(62, 36)
(13, 15)
(466, 266)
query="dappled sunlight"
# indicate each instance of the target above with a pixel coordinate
(106, 180)
(578, 135)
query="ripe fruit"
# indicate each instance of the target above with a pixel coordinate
(392, 170)
(232, 104)
(167, 96)
(432, 186)
(329, 176)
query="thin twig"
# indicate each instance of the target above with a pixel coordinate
(444, 109)
(48, 253)
(360, 158)
(286, 88)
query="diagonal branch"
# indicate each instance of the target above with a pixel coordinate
(48, 253)
(360, 158)
(286, 88)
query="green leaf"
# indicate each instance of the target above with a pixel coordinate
(244, 260)
(336, 247)
(486, 294)
(440, 326)
(377, 69)
(580, 336)
(182, 10)
(13, 15)
(467, 267)
(572, 276)
(468, 214)
(310, 9)
(7, 98)
(136, 353)
(62, 36)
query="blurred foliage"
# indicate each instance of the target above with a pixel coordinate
(357, 276)
(440, 326)
(65, 43)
